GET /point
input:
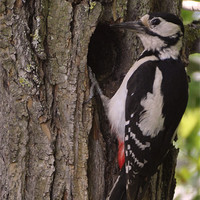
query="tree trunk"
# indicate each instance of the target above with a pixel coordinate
(52, 144)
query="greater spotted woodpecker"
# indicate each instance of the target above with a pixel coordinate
(147, 108)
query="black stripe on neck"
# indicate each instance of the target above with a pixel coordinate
(149, 53)
(153, 53)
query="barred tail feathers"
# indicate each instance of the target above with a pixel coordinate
(135, 190)
(118, 191)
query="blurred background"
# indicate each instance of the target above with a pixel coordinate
(188, 166)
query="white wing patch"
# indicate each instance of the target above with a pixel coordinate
(116, 106)
(152, 120)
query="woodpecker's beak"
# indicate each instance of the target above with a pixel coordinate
(136, 26)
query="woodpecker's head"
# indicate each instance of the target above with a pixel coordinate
(159, 32)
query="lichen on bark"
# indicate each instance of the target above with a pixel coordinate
(45, 123)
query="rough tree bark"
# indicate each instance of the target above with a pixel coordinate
(52, 144)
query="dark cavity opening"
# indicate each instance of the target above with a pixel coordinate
(103, 52)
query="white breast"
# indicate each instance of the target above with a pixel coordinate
(116, 106)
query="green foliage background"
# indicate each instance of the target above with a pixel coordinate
(188, 167)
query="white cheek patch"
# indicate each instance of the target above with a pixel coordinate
(166, 29)
(152, 121)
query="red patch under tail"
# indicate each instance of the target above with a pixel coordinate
(121, 156)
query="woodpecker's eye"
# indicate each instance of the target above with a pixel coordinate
(155, 21)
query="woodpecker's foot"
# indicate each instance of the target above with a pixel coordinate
(94, 81)
(95, 84)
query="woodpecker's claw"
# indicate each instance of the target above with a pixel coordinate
(95, 84)
(91, 93)
(94, 81)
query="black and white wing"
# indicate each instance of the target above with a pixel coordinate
(153, 112)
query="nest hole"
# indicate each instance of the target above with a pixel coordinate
(103, 52)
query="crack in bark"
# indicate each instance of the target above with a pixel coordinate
(27, 155)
